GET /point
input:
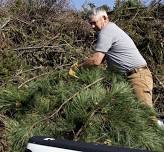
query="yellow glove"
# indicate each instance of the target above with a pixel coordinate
(73, 69)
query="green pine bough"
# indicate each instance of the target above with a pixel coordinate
(97, 107)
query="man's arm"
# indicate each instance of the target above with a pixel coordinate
(95, 59)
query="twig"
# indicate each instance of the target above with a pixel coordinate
(159, 81)
(55, 37)
(68, 44)
(40, 76)
(4, 23)
(139, 28)
(134, 8)
(156, 98)
(84, 126)
(148, 46)
(150, 18)
(135, 15)
(35, 68)
(20, 20)
(33, 79)
(37, 47)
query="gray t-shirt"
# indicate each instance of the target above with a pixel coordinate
(119, 48)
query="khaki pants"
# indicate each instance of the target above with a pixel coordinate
(142, 84)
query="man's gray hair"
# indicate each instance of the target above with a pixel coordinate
(98, 12)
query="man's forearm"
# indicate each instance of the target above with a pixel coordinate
(87, 63)
(95, 60)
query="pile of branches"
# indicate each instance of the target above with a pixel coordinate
(35, 41)
(39, 40)
(92, 108)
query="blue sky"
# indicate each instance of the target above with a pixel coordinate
(78, 3)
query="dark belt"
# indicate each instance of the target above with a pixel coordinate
(135, 70)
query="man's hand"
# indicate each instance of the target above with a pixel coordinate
(73, 69)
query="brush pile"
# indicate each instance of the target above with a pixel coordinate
(39, 41)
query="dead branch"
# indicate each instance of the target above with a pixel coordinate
(4, 23)
(33, 79)
(35, 68)
(159, 81)
(38, 47)
(84, 126)
(135, 15)
(29, 80)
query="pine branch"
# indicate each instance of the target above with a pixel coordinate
(64, 103)
(84, 126)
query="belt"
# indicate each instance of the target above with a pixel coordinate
(135, 70)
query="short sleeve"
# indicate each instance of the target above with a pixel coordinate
(104, 42)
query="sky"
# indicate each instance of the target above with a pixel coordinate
(78, 3)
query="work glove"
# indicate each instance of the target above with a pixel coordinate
(73, 70)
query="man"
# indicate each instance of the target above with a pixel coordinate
(120, 52)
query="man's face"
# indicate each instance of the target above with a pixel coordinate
(96, 23)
